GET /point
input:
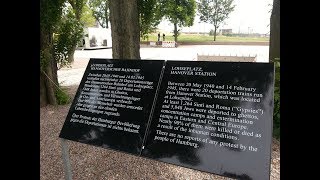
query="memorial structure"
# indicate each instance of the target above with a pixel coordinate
(209, 116)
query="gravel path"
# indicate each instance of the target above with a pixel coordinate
(89, 162)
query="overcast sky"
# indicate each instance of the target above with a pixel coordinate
(248, 15)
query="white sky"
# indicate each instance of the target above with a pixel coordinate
(248, 15)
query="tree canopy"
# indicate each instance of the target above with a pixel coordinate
(69, 32)
(100, 11)
(149, 16)
(50, 13)
(179, 12)
(87, 17)
(215, 12)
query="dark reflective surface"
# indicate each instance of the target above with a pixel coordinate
(233, 162)
(105, 137)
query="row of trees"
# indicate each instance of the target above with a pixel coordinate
(180, 13)
(62, 22)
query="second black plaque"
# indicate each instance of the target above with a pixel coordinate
(214, 117)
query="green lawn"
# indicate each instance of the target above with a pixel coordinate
(207, 38)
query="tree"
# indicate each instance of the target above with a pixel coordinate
(67, 35)
(215, 12)
(50, 13)
(149, 16)
(179, 12)
(100, 10)
(274, 42)
(69, 32)
(125, 29)
(87, 17)
(77, 9)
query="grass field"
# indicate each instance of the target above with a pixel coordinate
(207, 38)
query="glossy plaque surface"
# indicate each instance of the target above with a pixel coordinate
(113, 102)
(214, 117)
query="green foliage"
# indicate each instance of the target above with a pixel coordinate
(77, 7)
(149, 16)
(100, 11)
(50, 13)
(87, 17)
(276, 111)
(68, 34)
(180, 12)
(62, 97)
(215, 11)
(201, 38)
(70, 31)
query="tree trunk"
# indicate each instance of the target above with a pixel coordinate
(215, 33)
(43, 91)
(106, 15)
(50, 85)
(125, 32)
(71, 54)
(274, 42)
(48, 74)
(53, 63)
(78, 11)
(175, 31)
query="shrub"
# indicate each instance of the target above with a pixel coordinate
(62, 97)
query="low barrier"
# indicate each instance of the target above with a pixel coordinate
(152, 43)
(227, 58)
(168, 44)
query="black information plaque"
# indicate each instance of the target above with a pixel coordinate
(214, 117)
(209, 116)
(113, 103)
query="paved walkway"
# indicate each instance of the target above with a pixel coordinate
(72, 76)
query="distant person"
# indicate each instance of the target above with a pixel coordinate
(159, 36)
(163, 37)
(83, 44)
